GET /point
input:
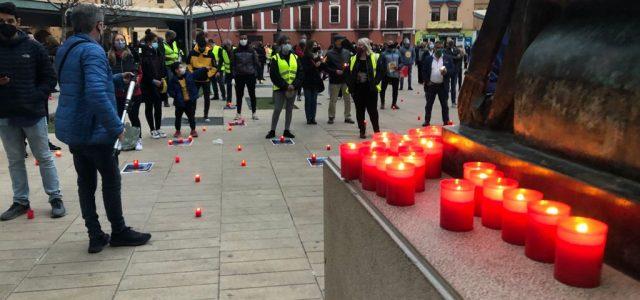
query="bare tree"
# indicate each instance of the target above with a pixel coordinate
(186, 9)
(114, 9)
(62, 6)
(217, 5)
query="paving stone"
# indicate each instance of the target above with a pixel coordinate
(12, 277)
(257, 226)
(79, 268)
(180, 244)
(263, 254)
(184, 234)
(264, 266)
(195, 278)
(260, 244)
(175, 255)
(68, 281)
(209, 291)
(173, 266)
(97, 293)
(17, 264)
(258, 234)
(266, 279)
(302, 291)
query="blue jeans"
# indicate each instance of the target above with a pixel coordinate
(310, 103)
(13, 141)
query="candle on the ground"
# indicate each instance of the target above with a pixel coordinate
(58, 153)
(416, 133)
(37, 163)
(190, 139)
(418, 159)
(349, 161)
(476, 165)
(170, 142)
(197, 178)
(580, 247)
(478, 177)
(542, 221)
(328, 147)
(239, 148)
(401, 184)
(314, 158)
(369, 172)
(433, 131)
(204, 128)
(177, 159)
(456, 204)
(180, 140)
(30, 214)
(229, 128)
(243, 163)
(381, 178)
(514, 214)
(433, 151)
(492, 190)
(136, 164)
(198, 212)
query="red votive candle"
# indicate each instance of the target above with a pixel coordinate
(180, 140)
(418, 159)
(492, 190)
(349, 161)
(478, 177)
(580, 246)
(369, 172)
(433, 151)
(58, 153)
(198, 212)
(456, 204)
(542, 221)
(243, 163)
(136, 164)
(239, 148)
(314, 158)
(416, 133)
(197, 178)
(328, 147)
(381, 170)
(379, 135)
(476, 165)
(177, 159)
(401, 184)
(170, 142)
(514, 214)
(433, 131)
(282, 139)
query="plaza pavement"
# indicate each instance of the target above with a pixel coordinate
(260, 235)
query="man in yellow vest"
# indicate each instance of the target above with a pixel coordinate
(224, 65)
(363, 77)
(171, 54)
(214, 81)
(202, 57)
(286, 75)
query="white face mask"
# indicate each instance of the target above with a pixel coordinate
(243, 42)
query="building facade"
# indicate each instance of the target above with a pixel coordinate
(442, 19)
(379, 20)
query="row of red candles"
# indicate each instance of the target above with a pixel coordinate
(396, 167)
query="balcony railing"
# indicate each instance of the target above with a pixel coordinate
(305, 25)
(246, 26)
(392, 24)
(363, 25)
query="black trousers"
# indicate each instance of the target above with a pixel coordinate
(88, 161)
(190, 110)
(431, 91)
(366, 100)
(206, 91)
(394, 85)
(228, 82)
(214, 85)
(152, 108)
(134, 112)
(250, 82)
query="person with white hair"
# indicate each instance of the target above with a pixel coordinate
(363, 79)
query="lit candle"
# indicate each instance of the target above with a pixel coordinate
(492, 190)
(177, 159)
(30, 214)
(204, 128)
(190, 139)
(243, 163)
(349, 161)
(433, 151)
(514, 214)
(170, 142)
(456, 204)
(476, 165)
(381, 170)
(37, 163)
(401, 185)
(381, 134)
(58, 153)
(282, 139)
(415, 132)
(542, 221)
(478, 177)
(198, 212)
(197, 178)
(239, 148)
(136, 164)
(433, 131)
(580, 246)
(369, 173)
(229, 128)
(180, 140)
(418, 159)
(314, 158)
(328, 147)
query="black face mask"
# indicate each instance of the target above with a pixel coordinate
(7, 30)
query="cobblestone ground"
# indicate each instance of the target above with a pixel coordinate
(260, 235)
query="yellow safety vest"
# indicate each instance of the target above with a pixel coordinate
(287, 70)
(226, 62)
(171, 53)
(374, 63)
(216, 49)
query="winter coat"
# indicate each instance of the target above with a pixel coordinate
(244, 62)
(175, 90)
(336, 60)
(87, 113)
(29, 68)
(407, 56)
(425, 68)
(152, 64)
(126, 64)
(312, 78)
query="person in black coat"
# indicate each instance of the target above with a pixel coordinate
(153, 69)
(363, 76)
(262, 58)
(312, 84)
(434, 78)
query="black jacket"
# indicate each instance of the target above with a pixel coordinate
(27, 64)
(352, 77)
(312, 78)
(244, 61)
(262, 55)
(152, 64)
(277, 80)
(336, 59)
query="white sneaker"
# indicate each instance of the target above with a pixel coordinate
(161, 133)
(139, 145)
(155, 135)
(238, 117)
(207, 120)
(254, 117)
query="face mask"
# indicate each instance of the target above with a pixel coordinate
(303, 41)
(286, 48)
(243, 42)
(120, 45)
(154, 45)
(430, 47)
(7, 30)
(182, 71)
(438, 52)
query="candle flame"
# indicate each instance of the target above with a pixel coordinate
(479, 164)
(430, 144)
(352, 146)
(552, 210)
(483, 176)
(456, 181)
(400, 166)
(388, 160)
(374, 144)
(582, 228)
(406, 137)
(520, 197)
(499, 180)
(459, 188)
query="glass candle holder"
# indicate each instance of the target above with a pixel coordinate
(542, 221)
(456, 204)
(492, 190)
(514, 214)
